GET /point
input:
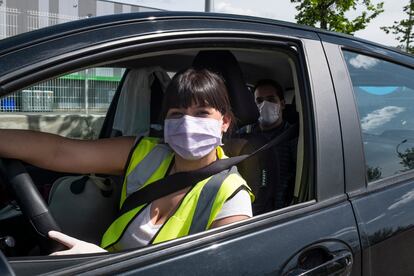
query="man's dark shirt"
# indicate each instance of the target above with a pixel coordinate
(278, 169)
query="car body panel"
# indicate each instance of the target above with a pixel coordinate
(350, 128)
(260, 250)
(386, 223)
(77, 45)
(383, 209)
(326, 127)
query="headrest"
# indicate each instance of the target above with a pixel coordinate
(136, 100)
(224, 63)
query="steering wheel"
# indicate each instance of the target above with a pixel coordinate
(31, 204)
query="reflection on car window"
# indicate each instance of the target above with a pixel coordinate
(384, 92)
(73, 105)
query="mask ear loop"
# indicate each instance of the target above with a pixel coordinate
(223, 132)
(261, 105)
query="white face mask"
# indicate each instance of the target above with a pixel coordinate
(192, 137)
(269, 113)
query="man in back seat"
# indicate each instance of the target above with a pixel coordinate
(269, 97)
(270, 101)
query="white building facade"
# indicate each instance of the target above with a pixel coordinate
(18, 16)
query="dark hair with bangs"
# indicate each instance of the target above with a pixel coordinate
(197, 86)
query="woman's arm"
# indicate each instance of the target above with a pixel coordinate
(227, 220)
(237, 208)
(53, 152)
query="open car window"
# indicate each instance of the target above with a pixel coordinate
(124, 98)
(73, 105)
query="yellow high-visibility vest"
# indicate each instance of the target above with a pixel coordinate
(149, 162)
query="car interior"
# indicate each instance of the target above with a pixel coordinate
(133, 112)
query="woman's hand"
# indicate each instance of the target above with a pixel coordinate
(75, 246)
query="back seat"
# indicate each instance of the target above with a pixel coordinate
(262, 171)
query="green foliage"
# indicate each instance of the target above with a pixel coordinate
(404, 29)
(373, 173)
(330, 14)
(407, 159)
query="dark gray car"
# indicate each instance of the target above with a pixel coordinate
(353, 101)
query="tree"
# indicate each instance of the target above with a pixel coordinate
(330, 14)
(407, 158)
(404, 29)
(373, 173)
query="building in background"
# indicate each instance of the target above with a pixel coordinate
(89, 90)
(17, 16)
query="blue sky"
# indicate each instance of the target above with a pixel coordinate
(379, 90)
(284, 10)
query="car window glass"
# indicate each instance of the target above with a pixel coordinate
(73, 105)
(384, 92)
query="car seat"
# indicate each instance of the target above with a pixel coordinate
(136, 106)
(225, 64)
(129, 114)
(270, 174)
(260, 171)
(290, 114)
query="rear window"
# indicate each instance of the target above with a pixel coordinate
(384, 92)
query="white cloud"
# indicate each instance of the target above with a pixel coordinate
(393, 11)
(362, 61)
(169, 5)
(229, 8)
(267, 9)
(380, 117)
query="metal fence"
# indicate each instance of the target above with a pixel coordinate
(8, 22)
(37, 19)
(86, 91)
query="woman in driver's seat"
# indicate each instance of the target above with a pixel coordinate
(197, 112)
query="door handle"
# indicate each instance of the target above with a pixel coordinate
(321, 260)
(338, 265)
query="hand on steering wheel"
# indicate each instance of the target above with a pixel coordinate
(75, 246)
(32, 204)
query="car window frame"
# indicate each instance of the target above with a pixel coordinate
(390, 178)
(398, 177)
(323, 198)
(354, 156)
(80, 111)
(77, 64)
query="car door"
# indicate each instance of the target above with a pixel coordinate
(319, 235)
(376, 93)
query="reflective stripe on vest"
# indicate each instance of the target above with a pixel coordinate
(205, 202)
(143, 171)
(199, 206)
(180, 223)
(153, 173)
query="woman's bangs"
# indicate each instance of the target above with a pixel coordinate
(187, 98)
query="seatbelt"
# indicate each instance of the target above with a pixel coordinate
(181, 180)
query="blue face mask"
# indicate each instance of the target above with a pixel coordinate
(191, 137)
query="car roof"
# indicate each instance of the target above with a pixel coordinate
(21, 53)
(65, 29)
